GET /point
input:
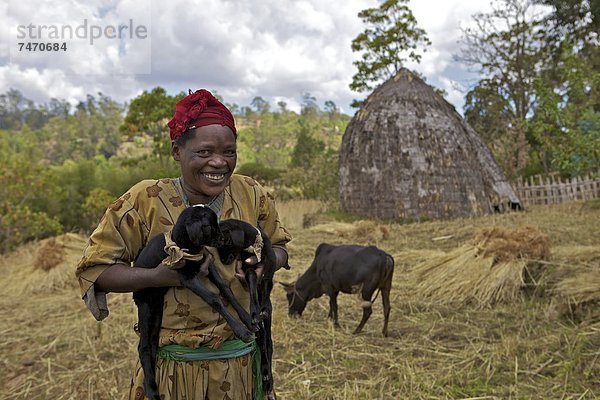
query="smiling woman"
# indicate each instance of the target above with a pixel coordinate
(208, 157)
(203, 141)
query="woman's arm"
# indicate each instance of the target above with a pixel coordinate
(121, 278)
(282, 257)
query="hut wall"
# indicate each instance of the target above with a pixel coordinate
(408, 154)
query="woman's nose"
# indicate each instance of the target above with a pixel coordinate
(217, 161)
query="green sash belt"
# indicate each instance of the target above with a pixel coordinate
(229, 349)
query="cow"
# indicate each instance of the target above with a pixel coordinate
(346, 269)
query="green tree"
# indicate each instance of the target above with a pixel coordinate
(507, 48)
(565, 122)
(148, 114)
(260, 105)
(282, 106)
(537, 101)
(92, 129)
(307, 146)
(391, 38)
(16, 111)
(21, 180)
(309, 105)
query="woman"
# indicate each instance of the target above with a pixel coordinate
(203, 141)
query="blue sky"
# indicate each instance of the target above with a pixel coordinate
(238, 48)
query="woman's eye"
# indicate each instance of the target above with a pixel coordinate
(203, 153)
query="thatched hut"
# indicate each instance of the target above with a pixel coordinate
(408, 154)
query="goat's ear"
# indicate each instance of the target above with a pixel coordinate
(237, 237)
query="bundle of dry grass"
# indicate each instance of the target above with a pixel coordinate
(45, 265)
(49, 255)
(524, 242)
(361, 232)
(494, 269)
(576, 292)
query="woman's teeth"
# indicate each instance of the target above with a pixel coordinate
(214, 177)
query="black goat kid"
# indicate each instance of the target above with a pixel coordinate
(195, 228)
(240, 241)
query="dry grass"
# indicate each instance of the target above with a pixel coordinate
(494, 269)
(516, 349)
(294, 212)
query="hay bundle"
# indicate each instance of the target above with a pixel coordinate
(576, 292)
(409, 258)
(49, 255)
(524, 242)
(361, 232)
(45, 265)
(580, 288)
(493, 269)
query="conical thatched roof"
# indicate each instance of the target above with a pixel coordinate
(408, 154)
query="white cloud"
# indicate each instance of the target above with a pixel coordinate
(241, 49)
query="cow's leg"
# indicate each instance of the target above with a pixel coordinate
(367, 307)
(333, 307)
(385, 298)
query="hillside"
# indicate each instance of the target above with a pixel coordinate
(542, 342)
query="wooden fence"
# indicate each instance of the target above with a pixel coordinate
(552, 189)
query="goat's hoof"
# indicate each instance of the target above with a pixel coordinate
(263, 315)
(247, 322)
(246, 337)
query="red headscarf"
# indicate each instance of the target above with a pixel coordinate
(199, 109)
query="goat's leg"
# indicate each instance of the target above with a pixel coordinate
(266, 357)
(252, 282)
(225, 290)
(238, 328)
(266, 308)
(147, 321)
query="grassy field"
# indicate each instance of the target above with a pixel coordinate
(543, 344)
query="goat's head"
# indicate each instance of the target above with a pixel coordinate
(197, 226)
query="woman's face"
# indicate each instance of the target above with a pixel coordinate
(207, 161)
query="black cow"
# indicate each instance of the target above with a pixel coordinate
(240, 241)
(195, 228)
(346, 269)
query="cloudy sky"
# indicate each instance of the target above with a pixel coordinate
(239, 48)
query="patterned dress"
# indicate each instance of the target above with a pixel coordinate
(149, 208)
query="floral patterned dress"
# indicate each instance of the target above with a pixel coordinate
(149, 208)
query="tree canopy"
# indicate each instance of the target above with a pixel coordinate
(536, 103)
(391, 38)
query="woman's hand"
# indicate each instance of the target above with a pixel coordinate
(250, 262)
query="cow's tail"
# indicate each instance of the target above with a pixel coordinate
(388, 273)
(389, 268)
